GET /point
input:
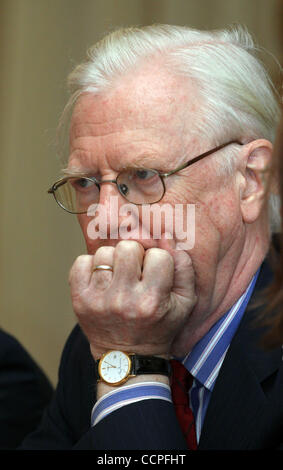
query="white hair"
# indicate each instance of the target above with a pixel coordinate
(238, 99)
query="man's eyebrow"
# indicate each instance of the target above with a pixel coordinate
(148, 161)
(77, 171)
(144, 161)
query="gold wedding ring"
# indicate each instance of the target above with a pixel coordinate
(103, 267)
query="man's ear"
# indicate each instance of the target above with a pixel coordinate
(257, 159)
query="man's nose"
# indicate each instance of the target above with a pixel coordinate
(111, 201)
(108, 190)
(120, 214)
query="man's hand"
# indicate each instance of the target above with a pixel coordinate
(139, 307)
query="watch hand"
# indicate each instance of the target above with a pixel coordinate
(110, 364)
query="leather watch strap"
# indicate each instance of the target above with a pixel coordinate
(149, 365)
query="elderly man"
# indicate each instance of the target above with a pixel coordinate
(168, 116)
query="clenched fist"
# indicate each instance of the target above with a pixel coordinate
(141, 306)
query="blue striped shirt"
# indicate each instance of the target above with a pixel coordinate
(203, 362)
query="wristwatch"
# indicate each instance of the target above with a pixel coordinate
(116, 367)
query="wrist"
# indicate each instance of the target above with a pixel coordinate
(98, 352)
(115, 368)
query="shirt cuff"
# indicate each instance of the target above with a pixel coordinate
(129, 394)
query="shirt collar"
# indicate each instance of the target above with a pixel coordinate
(207, 356)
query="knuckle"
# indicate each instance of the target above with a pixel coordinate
(99, 306)
(161, 256)
(159, 252)
(83, 259)
(127, 246)
(79, 304)
(148, 306)
(104, 251)
(119, 304)
(80, 263)
(84, 304)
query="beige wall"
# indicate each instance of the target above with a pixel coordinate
(40, 42)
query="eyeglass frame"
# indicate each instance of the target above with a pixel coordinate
(162, 176)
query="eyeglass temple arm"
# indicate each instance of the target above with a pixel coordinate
(56, 185)
(200, 157)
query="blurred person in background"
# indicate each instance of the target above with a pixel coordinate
(165, 354)
(24, 392)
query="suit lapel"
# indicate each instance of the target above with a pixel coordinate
(239, 410)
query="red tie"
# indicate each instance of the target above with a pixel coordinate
(181, 382)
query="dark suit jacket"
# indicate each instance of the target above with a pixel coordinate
(24, 392)
(245, 411)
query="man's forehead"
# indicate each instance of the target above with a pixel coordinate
(152, 95)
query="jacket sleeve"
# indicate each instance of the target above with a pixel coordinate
(147, 424)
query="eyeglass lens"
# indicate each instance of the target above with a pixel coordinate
(138, 186)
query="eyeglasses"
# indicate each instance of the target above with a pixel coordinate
(137, 185)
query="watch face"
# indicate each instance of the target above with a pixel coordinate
(114, 367)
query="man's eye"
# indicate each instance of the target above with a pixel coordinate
(82, 183)
(144, 174)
